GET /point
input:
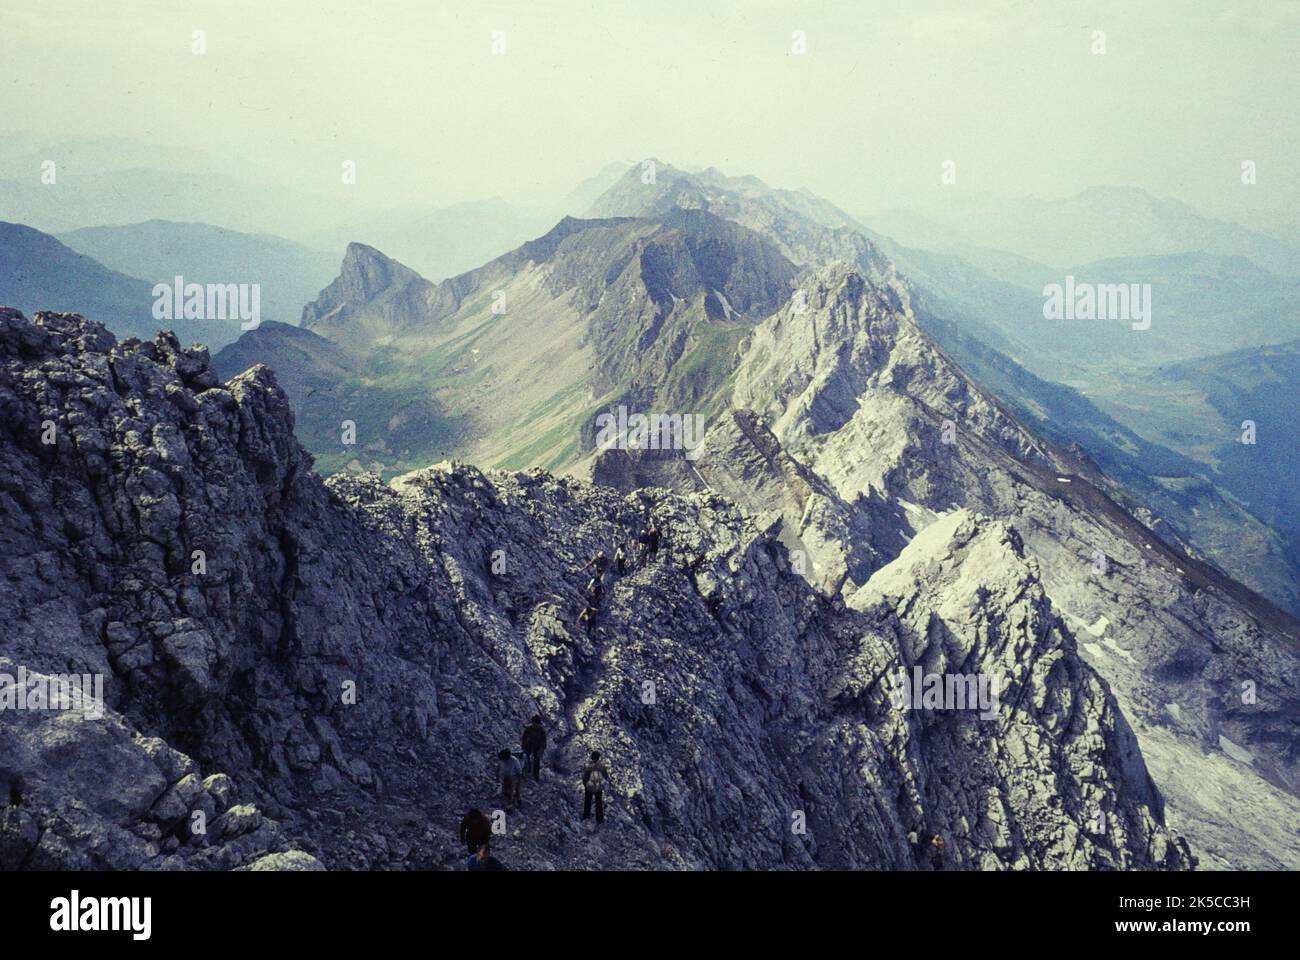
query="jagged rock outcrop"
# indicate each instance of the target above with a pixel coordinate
(969, 601)
(836, 545)
(854, 430)
(372, 296)
(345, 658)
(1206, 672)
(81, 788)
(850, 357)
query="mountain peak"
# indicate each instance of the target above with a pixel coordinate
(372, 295)
(367, 261)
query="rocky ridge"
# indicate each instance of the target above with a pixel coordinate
(346, 660)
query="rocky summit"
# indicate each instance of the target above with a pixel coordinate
(301, 672)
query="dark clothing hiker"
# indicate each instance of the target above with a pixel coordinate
(533, 741)
(475, 830)
(595, 773)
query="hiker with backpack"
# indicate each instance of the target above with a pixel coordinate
(620, 560)
(594, 775)
(475, 830)
(511, 774)
(533, 741)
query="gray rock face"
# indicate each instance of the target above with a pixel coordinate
(968, 600)
(330, 678)
(851, 433)
(89, 791)
(852, 351)
(1207, 673)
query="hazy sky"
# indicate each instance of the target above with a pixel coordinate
(886, 92)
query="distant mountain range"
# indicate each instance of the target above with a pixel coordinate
(440, 242)
(1099, 223)
(1201, 304)
(517, 353)
(1080, 384)
(39, 272)
(288, 273)
(62, 273)
(1238, 412)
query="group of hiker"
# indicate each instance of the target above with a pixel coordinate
(511, 769)
(647, 550)
(476, 828)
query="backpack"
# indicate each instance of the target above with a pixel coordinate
(478, 830)
(595, 780)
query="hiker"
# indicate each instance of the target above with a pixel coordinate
(914, 841)
(587, 619)
(620, 560)
(595, 590)
(533, 741)
(594, 775)
(936, 852)
(482, 859)
(652, 540)
(475, 830)
(600, 562)
(511, 774)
